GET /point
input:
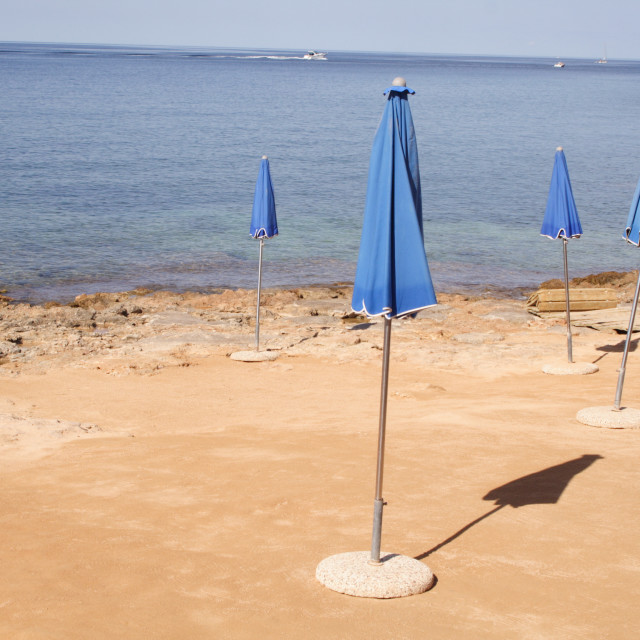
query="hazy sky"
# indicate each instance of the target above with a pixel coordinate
(563, 28)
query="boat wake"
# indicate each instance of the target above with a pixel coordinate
(270, 57)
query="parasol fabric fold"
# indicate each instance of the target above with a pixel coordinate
(561, 216)
(392, 277)
(263, 216)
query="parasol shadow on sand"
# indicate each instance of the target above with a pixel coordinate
(619, 347)
(541, 487)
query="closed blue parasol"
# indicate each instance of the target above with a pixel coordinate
(392, 278)
(632, 233)
(561, 216)
(561, 221)
(263, 216)
(263, 223)
(632, 236)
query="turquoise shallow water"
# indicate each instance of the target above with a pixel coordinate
(124, 167)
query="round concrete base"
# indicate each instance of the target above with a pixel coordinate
(570, 368)
(395, 577)
(609, 418)
(254, 356)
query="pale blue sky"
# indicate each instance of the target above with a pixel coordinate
(562, 28)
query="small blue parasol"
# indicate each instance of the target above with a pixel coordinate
(561, 216)
(632, 233)
(561, 221)
(263, 216)
(263, 223)
(632, 236)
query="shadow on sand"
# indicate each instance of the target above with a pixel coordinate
(616, 348)
(542, 487)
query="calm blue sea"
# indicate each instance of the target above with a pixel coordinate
(135, 166)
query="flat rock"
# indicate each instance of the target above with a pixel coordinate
(316, 307)
(254, 356)
(603, 319)
(169, 318)
(508, 315)
(478, 338)
(201, 338)
(437, 313)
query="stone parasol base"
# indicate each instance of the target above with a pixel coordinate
(570, 368)
(609, 418)
(395, 577)
(254, 356)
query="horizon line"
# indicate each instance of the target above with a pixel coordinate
(290, 49)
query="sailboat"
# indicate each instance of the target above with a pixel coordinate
(603, 60)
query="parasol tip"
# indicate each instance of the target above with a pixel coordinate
(399, 82)
(558, 148)
(265, 158)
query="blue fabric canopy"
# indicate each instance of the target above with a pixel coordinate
(392, 277)
(632, 234)
(263, 217)
(561, 217)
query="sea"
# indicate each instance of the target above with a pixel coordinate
(129, 166)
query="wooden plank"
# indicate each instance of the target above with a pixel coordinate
(576, 305)
(581, 299)
(558, 295)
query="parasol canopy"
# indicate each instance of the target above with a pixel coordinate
(561, 216)
(392, 280)
(392, 277)
(263, 216)
(632, 233)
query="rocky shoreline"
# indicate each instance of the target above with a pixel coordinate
(142, 331)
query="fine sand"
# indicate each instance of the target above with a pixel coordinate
(152, 487)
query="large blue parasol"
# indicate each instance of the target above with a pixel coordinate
(632, 236)
(561, 221)
(392, 278)
(263, 223)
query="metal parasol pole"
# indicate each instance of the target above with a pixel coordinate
(566, 295)
(379, 502)
(259, 286)
(621, 371)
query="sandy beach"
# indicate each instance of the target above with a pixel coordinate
(153, 487)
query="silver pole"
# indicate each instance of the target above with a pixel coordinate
(621, 371)
(566, 295)
(379, 502)
(259, 287)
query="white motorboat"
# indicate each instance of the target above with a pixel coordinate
(559, 65)
(315, 55)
